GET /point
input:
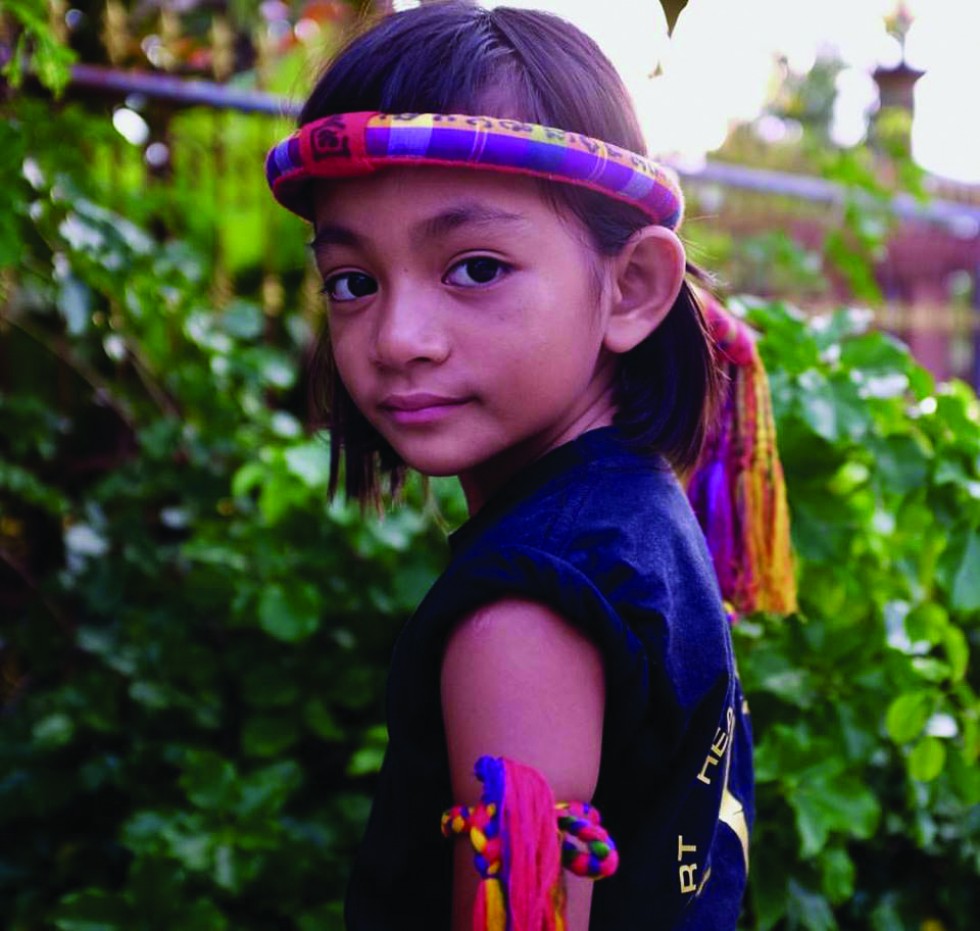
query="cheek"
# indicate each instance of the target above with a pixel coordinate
(349, 356)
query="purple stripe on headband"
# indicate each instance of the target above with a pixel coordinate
(287, 155)
(664, 202)
(376, 140)
(543, 156)
(410, 141)
(637, 187)
(581, 164)
(454, 145)
(616, 176)
(506, 151)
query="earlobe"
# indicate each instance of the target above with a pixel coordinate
(647, 277)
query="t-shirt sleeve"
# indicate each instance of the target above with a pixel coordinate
(527, 572)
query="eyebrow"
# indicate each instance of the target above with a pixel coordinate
(435, 227)
(330, 234)
(465, 214)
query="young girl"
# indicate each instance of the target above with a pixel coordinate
(508, 304)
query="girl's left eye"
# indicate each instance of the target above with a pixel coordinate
(479, 270)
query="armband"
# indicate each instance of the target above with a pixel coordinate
(521, 839)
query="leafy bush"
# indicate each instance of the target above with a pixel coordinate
(195, 642)
(865, 716)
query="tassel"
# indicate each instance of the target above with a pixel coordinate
(519, 850)
(737, 489)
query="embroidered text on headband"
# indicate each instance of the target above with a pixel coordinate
(348, 145)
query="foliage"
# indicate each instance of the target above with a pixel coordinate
(809, 98)
(35, 48)
(196, 642)
(865, 715)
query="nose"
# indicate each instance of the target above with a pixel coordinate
(409, 330)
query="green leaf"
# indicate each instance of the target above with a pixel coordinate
(276, 369)
(369, 757)
(907, 715)
(809, 909)
(957, 651)
(53, 731)
(143, 831)
(280, 494)
(92, 910)
(838, 873)
(887, 915)
(901, 461)
(243, 319)
(209, 780)
(826, 803)
(329, 917)
(817, 405)
(265, 791)
(876, 352)
(310, 463)
(75, 303)
(26, 486)
(268, 735)
(249, 476)
(320, 720)
(192, 848)
(269, 686)
(202, 915)
(927, 759)
(927, 622)
(930, 668)
(960, 568)
(291, 615)
(49, 58)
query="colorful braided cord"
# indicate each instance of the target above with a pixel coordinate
(347, 145)
(515, 831)
(599, 859)
(587, 850)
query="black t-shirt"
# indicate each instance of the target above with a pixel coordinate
(604, 536)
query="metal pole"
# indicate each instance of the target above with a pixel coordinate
(181, 91)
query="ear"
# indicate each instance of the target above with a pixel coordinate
(646, 278)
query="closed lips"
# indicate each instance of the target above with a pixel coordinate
(418, 402)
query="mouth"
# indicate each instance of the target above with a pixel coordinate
(420, 407)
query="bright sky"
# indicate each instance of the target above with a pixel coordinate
(719, 64)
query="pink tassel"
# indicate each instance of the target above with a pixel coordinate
(534, 871)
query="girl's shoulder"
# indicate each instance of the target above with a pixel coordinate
(604, 536)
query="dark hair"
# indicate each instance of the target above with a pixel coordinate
(454, 57)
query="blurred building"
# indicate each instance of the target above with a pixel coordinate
(928, 269)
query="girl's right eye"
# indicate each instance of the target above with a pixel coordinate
(349, 286)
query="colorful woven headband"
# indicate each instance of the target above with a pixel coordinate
(349, 145)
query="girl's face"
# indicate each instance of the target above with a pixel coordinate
(465, 318)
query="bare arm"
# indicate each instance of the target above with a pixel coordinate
(519, 681)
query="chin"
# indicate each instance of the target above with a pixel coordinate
(435, 466)
(437, 460)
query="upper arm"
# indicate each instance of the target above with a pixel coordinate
(519, 681)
